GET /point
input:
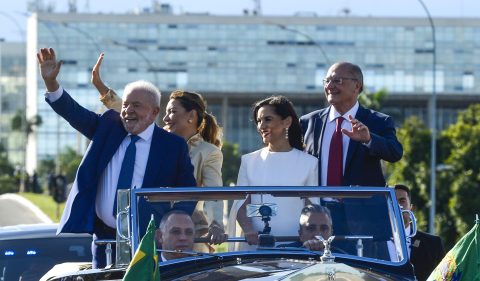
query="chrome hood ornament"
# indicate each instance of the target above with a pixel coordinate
(327, 256)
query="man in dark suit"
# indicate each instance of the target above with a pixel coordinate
(364, 136)
(156, 158)
(425, 250)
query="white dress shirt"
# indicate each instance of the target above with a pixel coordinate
(392, 250)
(107, 184)
(327, 138)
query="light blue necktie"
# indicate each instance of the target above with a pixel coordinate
(126, 172)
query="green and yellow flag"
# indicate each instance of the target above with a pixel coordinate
(144, 265)
(462, 262)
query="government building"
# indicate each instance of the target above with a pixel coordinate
(236, 60)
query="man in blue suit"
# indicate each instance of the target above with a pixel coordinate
(158, 158)
(364, 136)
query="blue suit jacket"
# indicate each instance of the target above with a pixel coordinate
(168, 162)
(362, 165)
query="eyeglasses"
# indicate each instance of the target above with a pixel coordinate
(336, 81)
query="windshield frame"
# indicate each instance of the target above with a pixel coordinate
(240, 193)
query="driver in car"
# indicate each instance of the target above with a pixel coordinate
(175, 234)
(315, 220)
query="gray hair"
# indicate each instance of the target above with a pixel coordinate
(354, 70)
(146, 87)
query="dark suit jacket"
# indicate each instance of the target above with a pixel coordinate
(426, 253)
(362, 165)
(168, 162)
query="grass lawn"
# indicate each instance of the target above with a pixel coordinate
(46, 204)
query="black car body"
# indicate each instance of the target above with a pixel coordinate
(369, 241)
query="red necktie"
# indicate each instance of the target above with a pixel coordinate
(335, 156)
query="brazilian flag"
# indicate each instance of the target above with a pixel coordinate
(462, 262)
(144, 265)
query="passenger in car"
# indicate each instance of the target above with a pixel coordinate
(186, 115)
(282, 162)
(176, 233)
(315, 220)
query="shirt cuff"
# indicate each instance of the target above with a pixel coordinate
(367, 144)
(54, 96)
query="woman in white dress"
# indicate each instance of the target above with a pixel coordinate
(281, 162)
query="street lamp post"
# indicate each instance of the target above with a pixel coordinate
(140, 54)
(308, 37)
(433, 127)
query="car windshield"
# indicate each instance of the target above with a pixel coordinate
(365, 222)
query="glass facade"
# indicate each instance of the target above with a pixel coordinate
(12, 98)
(236, 60)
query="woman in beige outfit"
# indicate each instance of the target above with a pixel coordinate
(187, 117)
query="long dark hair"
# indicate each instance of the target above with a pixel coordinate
(284, 108)
(207, 125)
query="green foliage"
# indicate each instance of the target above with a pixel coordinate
(46, 166)
(231, 163)
(20, 123)
(457, 175)
(8, 181)
(464, 158)
(69, 160)
(373, 100)
(413, 169)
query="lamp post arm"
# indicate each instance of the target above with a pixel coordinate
(433, 126)
(308, 37)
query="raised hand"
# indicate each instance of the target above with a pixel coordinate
(49, 68)
(96, 80)
(359, 131)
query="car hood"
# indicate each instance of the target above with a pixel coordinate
(285, 269)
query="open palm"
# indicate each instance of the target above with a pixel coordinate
(49, 66)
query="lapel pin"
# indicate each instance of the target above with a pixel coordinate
(416, 243)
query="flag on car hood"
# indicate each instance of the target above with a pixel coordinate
(462, 262)
(144, 265)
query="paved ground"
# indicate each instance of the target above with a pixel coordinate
(14, 209)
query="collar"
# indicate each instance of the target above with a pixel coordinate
(147, 134)
(195, 138)
(408, 230)
(333, 113)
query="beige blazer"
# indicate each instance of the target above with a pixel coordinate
(207, 161)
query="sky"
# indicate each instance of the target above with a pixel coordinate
(13, 13)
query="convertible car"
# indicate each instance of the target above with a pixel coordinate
(364, 228)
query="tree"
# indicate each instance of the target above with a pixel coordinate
(463, 138)
(413, 169)
(231, 163)
(373, 100)
(7, 173)
(68, 161)
(20, 123)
